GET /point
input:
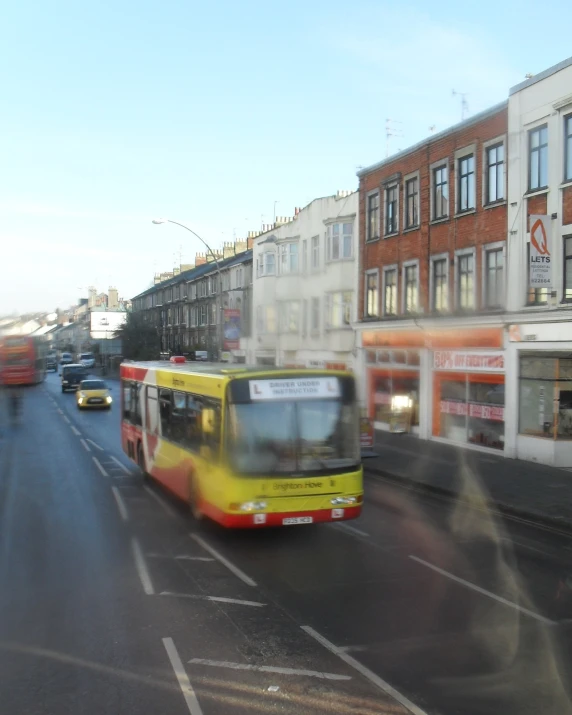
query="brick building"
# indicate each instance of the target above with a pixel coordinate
(433, 224)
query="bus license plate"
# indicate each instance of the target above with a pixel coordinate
(297, 520)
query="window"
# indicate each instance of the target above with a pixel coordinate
(390, 291)
(545, 404)
(213, 313)
(315, 319)
(391, 210)
(412, 202)
(411, 288)
(304, 256)
(466, 193)
(538, 158)
(372, 294)
(466, 281)
(193, 291)
(339, 309)
(494, 188)
(373, 216)
(315, 253)
(202, 315)
(440, 193)
(290, 316)
(494, 278)
(567, 268)
(440, 297)
(568, 148)
(288, 258)
(339, 241)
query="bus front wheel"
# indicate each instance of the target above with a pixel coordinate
(141, 462)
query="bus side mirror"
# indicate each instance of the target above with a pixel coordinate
(208, 419)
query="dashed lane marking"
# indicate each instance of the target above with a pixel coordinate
(141, 566)
(182, 677)
(483, 591)
(93, 444)
(100, 467)
(85, 445)
(120, 504)
(181, 557)
(162, 503)
(366, 672)
(224, 561)
(66, 419)
(269, 669)
(121, 466)
(75, 431)
(219, 599)
(350, 529)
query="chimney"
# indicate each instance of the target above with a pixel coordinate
(240, 246)
(200, 259)
(227, 249)
(187, 267)
(113, 299)
(91, 294)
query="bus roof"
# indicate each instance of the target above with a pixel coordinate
(224, 369)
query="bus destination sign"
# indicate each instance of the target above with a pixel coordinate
(305, 388)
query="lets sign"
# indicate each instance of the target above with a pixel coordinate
(540, 264)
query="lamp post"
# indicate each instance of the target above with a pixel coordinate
(219, 335)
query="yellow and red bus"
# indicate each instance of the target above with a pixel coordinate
(246, 447)
(22, 360)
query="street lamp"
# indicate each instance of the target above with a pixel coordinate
(158, 221)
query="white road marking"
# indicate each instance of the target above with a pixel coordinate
(163, 504)
(141, 567)
(120, 504)
(85, 445)
(220, 599)
(269, 669)
(366, 672)
(351, 529)
(66, 419)
(60, 411)
(182, 677)
(127, 471)
(225, 562)
(75, 430)
(93, 444)
(100, 467)
(353, 648)
(483, 591)
(182, 557)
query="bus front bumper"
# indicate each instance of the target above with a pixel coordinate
(252, 520)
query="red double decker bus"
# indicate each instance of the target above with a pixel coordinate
(22, 360)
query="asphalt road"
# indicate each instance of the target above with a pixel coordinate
(112, 600)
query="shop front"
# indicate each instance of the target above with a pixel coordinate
(450, 378)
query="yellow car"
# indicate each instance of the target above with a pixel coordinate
(93, 394)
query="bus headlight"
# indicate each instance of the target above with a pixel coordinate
(253, 506)
(344, 500)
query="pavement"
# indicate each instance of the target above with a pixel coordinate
(532, 491)
(113, 600)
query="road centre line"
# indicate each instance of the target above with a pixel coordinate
(85, 445)
(483, 591)
(60, 411)
(141, 567)
(127, 471)
(366, 672)
(219, 599)
(162, 503)
(182, 677)
(351, 529)
(93, 444)
(225, 562)
(100, 467)
(66, 419)
(75, 430)
(269, 669)
(120, 504)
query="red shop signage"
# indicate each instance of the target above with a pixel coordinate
(473, 409)
(477, 361)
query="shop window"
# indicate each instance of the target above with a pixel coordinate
(545, 397)
(388, 383)
(470, 409)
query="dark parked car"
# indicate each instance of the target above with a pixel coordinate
(72, 375)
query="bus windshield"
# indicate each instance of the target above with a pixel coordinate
(292, 437)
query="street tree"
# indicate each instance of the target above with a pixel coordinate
(139, 339)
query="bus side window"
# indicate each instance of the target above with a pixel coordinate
(165, 412)
(212, 438)
(126, 390)
(152, 421)
(136, 403)
(178, 417)
(193, 430)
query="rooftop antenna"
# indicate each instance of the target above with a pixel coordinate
(391, 130)
(274, 221)
(432, 129)
(464, 103)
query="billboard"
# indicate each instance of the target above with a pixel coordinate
(231, 329)
(105, 323)
(540, 266)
